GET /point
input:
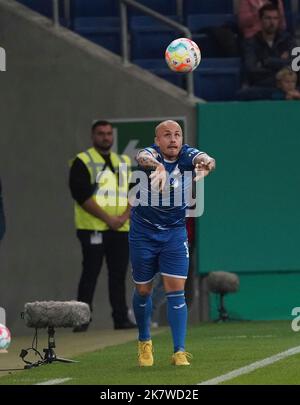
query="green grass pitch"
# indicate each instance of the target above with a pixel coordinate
(217, 349)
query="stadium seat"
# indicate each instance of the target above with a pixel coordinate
(102, 8)
(149, 37)
(218, 79)
(199, 22)
(94, 8)
(291, 18)
(297, 16)
(159, 68)
(208, 7)
(43, 7)
(104, 31)
(163, 7)
(200, 25)
(207, 45)
(220, 63)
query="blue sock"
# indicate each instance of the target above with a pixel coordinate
(177, 317)
(142, 307)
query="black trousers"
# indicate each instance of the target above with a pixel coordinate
(114, 247)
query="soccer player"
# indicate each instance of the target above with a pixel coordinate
(157, 237)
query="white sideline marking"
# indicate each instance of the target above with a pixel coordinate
(230, 337)
(54, 382)
(242, 337)
(251, 367)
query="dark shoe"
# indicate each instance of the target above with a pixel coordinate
(81, 328)
(125, 325)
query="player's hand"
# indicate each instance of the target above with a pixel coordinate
(158, 178)
(204, 166)
(114, 222)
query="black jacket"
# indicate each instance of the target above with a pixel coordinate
(262, 62)
(80, 180)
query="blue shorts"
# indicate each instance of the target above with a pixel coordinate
(152, 251)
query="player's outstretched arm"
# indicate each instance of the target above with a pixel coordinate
(204, 164)
(148, 160)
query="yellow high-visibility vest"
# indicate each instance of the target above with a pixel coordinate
(111, 193)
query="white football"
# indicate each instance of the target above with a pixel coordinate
(5, 337)
(183, 55)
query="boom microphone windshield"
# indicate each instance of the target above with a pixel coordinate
(58, 314)
(222, 282)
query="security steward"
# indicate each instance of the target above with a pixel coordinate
(99, 185)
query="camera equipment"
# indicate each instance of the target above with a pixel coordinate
(50, 315)
(222, 283)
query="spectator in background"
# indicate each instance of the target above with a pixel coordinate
(268, 51)
(286, 85)
(248, 16)
(2, 217)
(99, 187)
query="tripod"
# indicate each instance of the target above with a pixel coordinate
(49, 356)
(223, 314)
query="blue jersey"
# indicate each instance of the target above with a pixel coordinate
(167, 210)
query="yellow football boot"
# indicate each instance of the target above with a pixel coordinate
(181, 358)
(145, 353)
